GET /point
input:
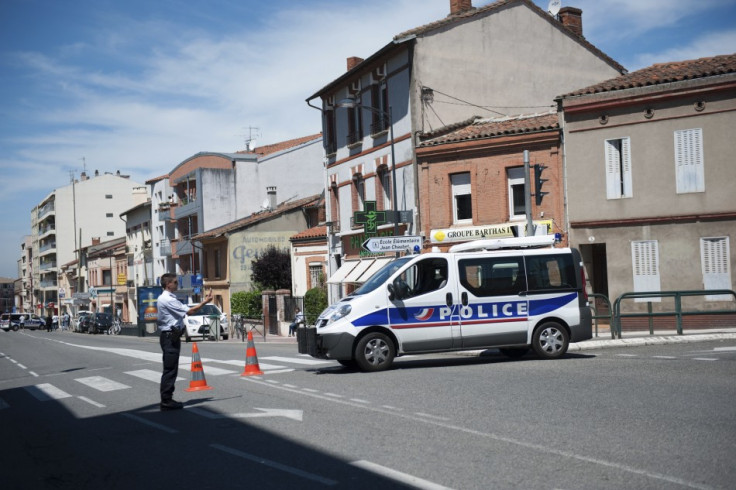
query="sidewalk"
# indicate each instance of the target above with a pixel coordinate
(660, 337)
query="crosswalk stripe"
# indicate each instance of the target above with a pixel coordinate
(102, 384)
(46, 391)
(149, 375)
(295, 360)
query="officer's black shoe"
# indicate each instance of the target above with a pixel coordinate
(171, 405)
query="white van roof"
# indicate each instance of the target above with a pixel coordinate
(501, 243)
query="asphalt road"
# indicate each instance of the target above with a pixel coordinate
(80, 411)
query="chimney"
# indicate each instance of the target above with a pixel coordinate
(354, 61)
(572, 18)
(95, 240)
(460, 6)
(271, 191)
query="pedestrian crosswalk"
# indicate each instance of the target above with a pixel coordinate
(105, 384)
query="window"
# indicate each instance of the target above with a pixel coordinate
(645, 263)
(517, 201)
(462, 205)
(714, 259)
(493, 276)
(110, 233)
(385, 180)
(618, 169)
(423, 277)
(689, 161)
(550, 272)
(355, 126)
(315, 272)
(108, 215)
(107, 277)
(108, 196)
(360, 192)
(379, 101)
(217, 263)
(330, 139)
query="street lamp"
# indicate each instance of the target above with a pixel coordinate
(351, 103)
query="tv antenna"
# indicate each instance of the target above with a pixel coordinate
(253, 134)
(554, 7)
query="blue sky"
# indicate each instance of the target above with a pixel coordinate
(140, 85)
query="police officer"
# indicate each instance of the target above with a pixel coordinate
(170, 321)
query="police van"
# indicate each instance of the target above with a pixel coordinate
(514, 294)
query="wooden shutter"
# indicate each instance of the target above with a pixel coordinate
(645, 263)
(689, 161)
(714, 259)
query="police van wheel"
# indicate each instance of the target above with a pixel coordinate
(374, 352)
(550, 340)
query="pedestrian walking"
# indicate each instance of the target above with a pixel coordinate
(48, 322)
(170, 322)
(65, 321)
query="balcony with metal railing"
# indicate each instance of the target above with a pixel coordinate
(46, 209)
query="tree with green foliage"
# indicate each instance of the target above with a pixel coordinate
(315, 302)
(272, 269)
(247, 303)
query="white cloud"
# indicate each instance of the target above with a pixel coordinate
(710, 44)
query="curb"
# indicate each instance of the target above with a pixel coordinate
(649, 340)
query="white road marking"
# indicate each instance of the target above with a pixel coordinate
(704, 359)
(295, 360)
(436, 417)
(45, 392)
(91, 402)
(151, 424)
(102, 384)
(724, 349)
(496, 437)
(664, 357)
(22, 366)
(275, 465)
(398, 476)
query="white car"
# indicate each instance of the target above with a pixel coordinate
(204, 322)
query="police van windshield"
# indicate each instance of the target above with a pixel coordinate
(380, 277)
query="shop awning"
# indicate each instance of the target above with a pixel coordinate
(343, 271)
(374, 267)
(359, 269)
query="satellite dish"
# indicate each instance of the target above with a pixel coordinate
(554, 6)
(266, 204)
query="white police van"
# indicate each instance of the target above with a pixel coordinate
(513, 294)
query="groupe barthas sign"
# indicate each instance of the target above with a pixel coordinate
(393, 244)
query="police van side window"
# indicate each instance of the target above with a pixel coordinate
(423, 277)
(550, 272)
(497, 276)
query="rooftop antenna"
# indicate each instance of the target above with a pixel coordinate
(84, 164)
(253, 134)
(554, 7)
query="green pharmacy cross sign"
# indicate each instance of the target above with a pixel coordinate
(370, 218)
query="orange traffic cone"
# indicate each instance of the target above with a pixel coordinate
(251, 358)
(198, 383)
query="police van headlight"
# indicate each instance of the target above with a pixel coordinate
(334, 313)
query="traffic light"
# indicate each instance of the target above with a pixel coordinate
(538, 182)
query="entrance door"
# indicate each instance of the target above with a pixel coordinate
(419, 314)
(493, 311)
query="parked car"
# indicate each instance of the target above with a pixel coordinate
(76, 323)
(206, 318)
(98, 322)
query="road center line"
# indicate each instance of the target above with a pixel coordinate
(275, 465)
(496, 437)
(398, 476)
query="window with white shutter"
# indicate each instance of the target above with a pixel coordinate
(462, 205)
(714, 260)
(645, 263)
(689, 164)
(618, 169)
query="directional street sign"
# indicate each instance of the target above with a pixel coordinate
(393, 244)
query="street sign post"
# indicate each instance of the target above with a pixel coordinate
(393, 244)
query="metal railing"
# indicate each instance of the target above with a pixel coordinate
(678, 312)
(597, 316)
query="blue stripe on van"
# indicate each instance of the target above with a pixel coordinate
(542, 306)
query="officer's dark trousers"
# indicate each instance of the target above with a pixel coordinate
(171, 346)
